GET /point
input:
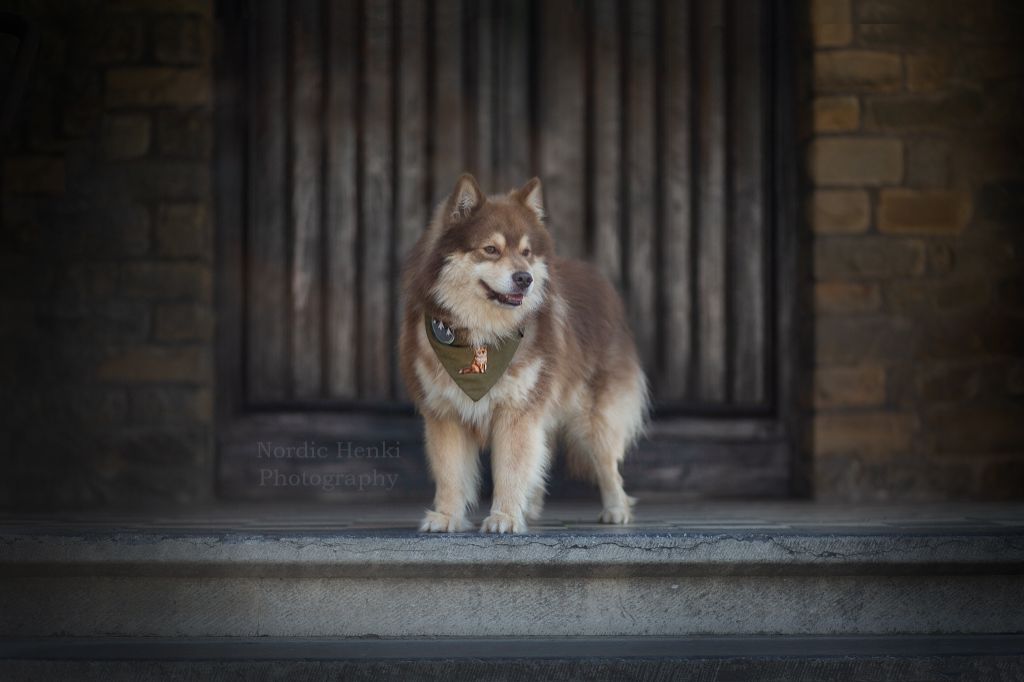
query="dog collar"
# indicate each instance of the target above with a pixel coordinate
(474, 369)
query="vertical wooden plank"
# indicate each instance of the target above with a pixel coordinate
(747, 242)
(480, 49)
(306, 61)
(230, 120)
(789, 249)
(562, 127)
(375, 338)
(711, 197)
(412, 123)
(411, 174)
(642, 189)
(606, 112)
(267, 365)
(448, 121)
(514, 93)
(676, 265)
(342, 220)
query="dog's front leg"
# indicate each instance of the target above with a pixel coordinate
(519, 454)
(453, 455)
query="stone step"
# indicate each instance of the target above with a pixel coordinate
(782, 658)
(681, 571)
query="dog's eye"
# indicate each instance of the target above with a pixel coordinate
(491, 250)
(526, 253)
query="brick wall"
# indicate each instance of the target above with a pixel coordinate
(107, 258)
(914, 163)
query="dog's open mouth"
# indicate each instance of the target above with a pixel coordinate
(504, 299)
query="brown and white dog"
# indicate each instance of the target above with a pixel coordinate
(486, 266)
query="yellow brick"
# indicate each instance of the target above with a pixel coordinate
(847, 297)
(905, 211)
(839, 211)
(872, 434)
(856, 161)
(836, 114)
(151, 86)
(928, 72)
(830, 12)
(200, 7)
(857, 71)
(831, 22)
(862, 386)
(832, 35)
(156, 364)
(34, 174)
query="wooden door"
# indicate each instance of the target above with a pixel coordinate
(655, 126)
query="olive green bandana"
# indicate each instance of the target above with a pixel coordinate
(475, 369)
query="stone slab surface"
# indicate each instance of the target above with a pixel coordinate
(781, 659)
(565, 648)
(750, 569)
(667, 540)
(502, 607)
(882, 669)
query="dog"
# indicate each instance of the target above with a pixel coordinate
(484, 275)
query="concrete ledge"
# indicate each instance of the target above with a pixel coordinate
(890, 669)
(783, 572)
(464, 555)
(793, 540)
(899, 659)
(161, 606)
(564, 648)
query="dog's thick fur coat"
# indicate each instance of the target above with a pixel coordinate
(575, 375)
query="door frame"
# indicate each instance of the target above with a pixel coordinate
(773, 435)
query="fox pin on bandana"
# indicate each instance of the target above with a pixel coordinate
(475, 369)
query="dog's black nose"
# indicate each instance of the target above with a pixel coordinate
(522, 279)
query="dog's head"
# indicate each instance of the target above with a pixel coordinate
(489, 255)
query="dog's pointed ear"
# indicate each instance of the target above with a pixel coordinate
(465, 200)
(532, 197)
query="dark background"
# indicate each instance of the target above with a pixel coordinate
(909, 299)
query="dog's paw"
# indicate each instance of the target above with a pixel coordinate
(617, 515)
(499, 522)
(438, 522)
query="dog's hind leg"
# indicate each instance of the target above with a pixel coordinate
(613, 425)
(606, 450)
(535, 504)
(453, 455)
(535, 498)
